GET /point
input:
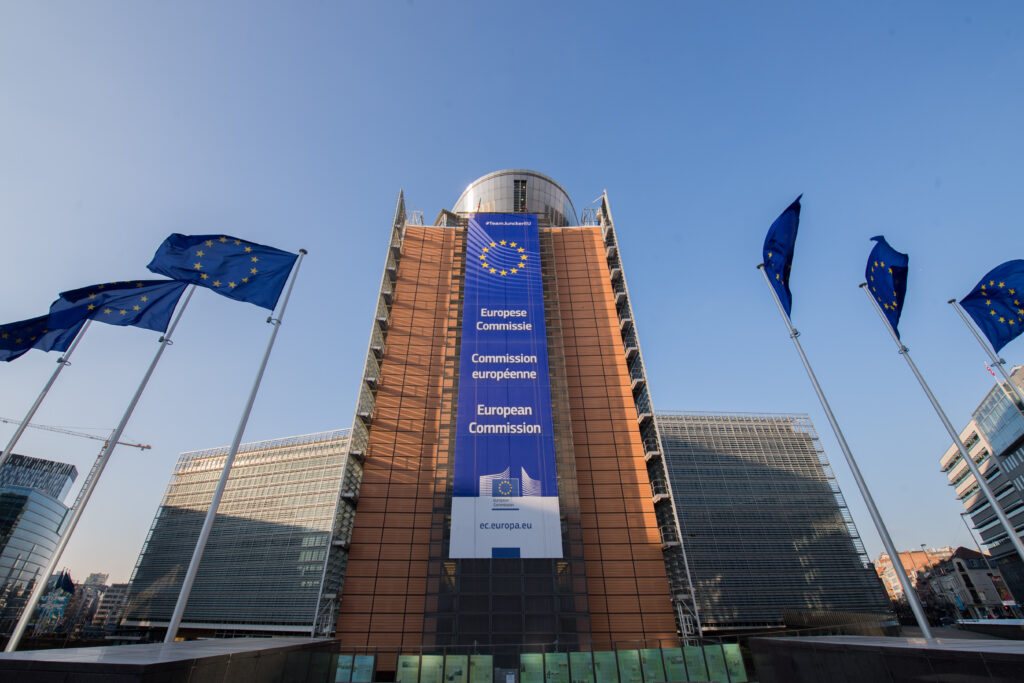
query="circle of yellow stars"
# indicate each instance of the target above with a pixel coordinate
(121, 311)
(200, 253)
(503, 271)
(884, 303)
(1001, 291)
(5, 335)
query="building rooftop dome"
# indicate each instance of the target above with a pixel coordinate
(517, 190)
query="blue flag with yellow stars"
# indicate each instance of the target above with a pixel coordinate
(141, 303)
(886, 275)
(778, 252)
(996, 305)
(35, 333)
(240, 270)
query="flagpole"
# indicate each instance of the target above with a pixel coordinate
(61, 362)
(978, 476)
(204, 533)
(90, 485)
(908, 589)
(996, 360)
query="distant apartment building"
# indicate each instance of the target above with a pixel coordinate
(96, 579)
(32, 491)
(995, 440)
(263, 565)
(970, 585)
(765, 526)
(108, 611)
(913, 561)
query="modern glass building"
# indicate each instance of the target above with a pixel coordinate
(264, 561)
(995, 439)
(612, 568)
(31, 513)
(765, 524)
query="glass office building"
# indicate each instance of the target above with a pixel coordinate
(31, 513)
(995, 439)
(618, 574)
(765, 524)
(264, 561)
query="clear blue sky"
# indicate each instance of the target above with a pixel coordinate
(296, 124)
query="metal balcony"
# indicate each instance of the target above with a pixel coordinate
(659, 491)
(669, 537)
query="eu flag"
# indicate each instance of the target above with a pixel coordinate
(995, 303)
(240, 270)
(505, 488)
(142, 303)
(778, 252)
(886, 275)
(35, 333)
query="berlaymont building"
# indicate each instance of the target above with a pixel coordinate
(506, 481)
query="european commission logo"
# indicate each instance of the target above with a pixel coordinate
(505, 488)
(503, 258)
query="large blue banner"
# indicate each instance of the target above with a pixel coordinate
(505, 490)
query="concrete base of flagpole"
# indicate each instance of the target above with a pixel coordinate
(849, 659)
(311, 660)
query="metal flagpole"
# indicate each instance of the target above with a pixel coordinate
(876, 517)
(996, 360)
(61, 362)
(982, 484)
(90, 485)
(204, 534)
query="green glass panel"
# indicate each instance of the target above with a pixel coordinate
(695, 666)
(556, 667)
(629, 667)
(408, 669)
(456, 668)
(654, 670)
(531, 667)
(581, 667)
(481, 669)
(606, 668)
(344, 671)
(675, 666)
(432, 669)
(734, 663)
(716, 664)
(362, 669)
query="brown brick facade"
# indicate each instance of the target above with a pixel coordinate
(406, 469)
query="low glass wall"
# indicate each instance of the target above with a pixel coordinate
(718, 662)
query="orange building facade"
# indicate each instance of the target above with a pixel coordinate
(614, 582)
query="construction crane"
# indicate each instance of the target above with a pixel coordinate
(94, 472)
(61, 430)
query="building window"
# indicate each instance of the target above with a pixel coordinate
(519, 196)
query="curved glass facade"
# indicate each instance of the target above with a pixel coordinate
(29, 523)
(518, 190)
